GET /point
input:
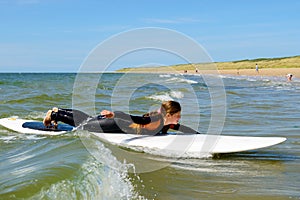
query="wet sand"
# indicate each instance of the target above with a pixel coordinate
(280, 72)
(264, 72)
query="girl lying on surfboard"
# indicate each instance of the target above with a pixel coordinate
(153, 123)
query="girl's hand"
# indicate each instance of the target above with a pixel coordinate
(107, 113)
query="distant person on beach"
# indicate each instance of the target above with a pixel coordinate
(289, 77)
(256, 68)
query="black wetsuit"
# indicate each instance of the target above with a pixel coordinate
(120, 123)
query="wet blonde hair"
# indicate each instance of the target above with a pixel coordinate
(167, 107)
(170, 107)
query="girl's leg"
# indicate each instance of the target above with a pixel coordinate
(69, 116)
(102, 125)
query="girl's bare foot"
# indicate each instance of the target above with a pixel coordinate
(47, 120)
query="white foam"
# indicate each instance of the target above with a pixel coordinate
(161, 97)
(168, 96)
(165, 75)
(101, 178)
(177, 94)
(181, 80)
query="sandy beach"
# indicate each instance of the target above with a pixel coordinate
(267, 67)
(280, 72)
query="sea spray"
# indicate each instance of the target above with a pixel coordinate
(99, 178)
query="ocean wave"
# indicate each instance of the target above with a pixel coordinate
(167, 96)
(9, 137)
(161, 76)
(61, 168)
(94, 180)
(181, 80)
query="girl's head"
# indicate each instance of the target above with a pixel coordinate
(171, 111)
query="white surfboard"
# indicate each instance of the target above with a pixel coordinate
(183, 145)
(189, 145)
(33, 127)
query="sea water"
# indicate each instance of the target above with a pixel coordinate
(65, 167)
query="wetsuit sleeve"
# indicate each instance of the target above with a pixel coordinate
(183, 129)
(136, 119)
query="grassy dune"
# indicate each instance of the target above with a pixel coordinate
(263, 63)
(286, 62)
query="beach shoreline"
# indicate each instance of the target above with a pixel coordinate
(256, 67)
(279, 72)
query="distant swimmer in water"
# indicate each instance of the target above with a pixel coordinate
(289, 77)
(153, 123)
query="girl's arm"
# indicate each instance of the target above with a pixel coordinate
(135, 119)
(183, 129)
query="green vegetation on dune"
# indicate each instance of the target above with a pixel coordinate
(283, 62)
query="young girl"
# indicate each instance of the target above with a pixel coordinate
(153, 123)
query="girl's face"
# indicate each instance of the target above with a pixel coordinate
(172, 119)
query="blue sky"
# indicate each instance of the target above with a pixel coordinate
(58, 35)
